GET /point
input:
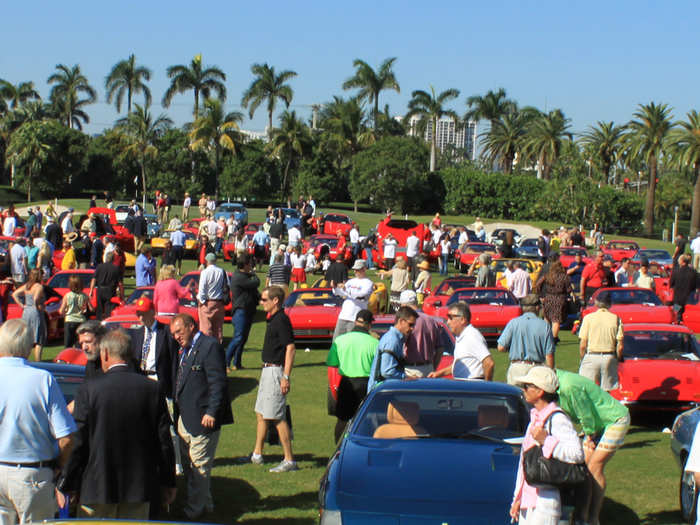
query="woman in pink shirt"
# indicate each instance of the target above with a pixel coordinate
(168, 292)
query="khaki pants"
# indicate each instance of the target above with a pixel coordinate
(26, 495)
(600, 368)
(185, 213)
(138, 242)
(115, 511)
(197, 461)
(518, 370)
(211, 319)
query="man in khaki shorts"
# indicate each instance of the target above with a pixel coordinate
(601, 344)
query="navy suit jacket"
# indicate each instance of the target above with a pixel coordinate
(203, 388)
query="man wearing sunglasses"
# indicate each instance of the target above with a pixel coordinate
(389, 361)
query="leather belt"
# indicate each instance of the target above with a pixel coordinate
(601, 353)
(268, 365)
(524, 361)
(51, 463)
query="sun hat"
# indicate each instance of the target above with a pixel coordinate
(542, 377)
(360, 264)
(144, 304)
(70, 237)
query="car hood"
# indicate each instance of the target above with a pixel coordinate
(419, 477)
(310, 315)
(639, 313)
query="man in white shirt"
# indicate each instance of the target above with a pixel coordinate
(623, 275)
(9, 224)
(186, 206)
(472, 359)
(18, 261)
(213, 288)
(519, 282)
(412, 248)
(294, 236)
(355, 240)
(463, 236)
(356, 292)
(67, 223)
(695, 248)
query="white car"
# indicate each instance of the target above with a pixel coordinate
(121, 211)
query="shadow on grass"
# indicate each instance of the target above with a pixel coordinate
(614, 512)
(232, 498)
(273, 459)
(664, 517)
(640, 444)
(302, 500)
(237, 386)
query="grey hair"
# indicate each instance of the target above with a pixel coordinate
(15, 339)
(117, 344)
(91, 327)
(461, 308)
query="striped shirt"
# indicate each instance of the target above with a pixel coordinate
(279, 274)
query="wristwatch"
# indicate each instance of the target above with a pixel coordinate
(285, 376)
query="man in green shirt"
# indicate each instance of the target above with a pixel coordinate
(352, 354)
(605, 422)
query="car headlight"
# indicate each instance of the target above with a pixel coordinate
(331, 517)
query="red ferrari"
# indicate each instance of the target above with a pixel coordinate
(691, 314)
(128, 307)
(313, 313)
(401, 230)
(661, 368)
(620, 249)
(633, 305)
(469, 251)
(325, 244)
(192, 225)
(335, 222)
(107, 225)
(567, 254)
(59, 282)
(448, 286)
(491, 308)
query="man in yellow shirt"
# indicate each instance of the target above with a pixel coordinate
(601, 344)
(69, 261)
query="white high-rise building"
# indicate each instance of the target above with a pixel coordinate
(461, 139)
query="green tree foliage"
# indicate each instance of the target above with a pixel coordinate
(685, 144)
(107, 167)
(544, 140)
(127, 78)
(69, 84)
(320, 177)
(493, 107)
(201, 80)
(391, 174)
(371, 83)
(290, 143)
(14, 95)
(605, 141)
(173, 168)
(504, 139)
(28, 152)
(267, 86)
(252, 174)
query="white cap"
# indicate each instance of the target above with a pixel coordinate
(542, 377)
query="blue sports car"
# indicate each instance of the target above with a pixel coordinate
(681, 438)
(292, 217)
(527, 249)
(239, 212)
(427, 451)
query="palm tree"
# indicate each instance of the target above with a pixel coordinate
(199, 79)
(606, 141)
(26, 150)
(16, 94)
(646, 141)
(345, 127)
(685, 142)
(215, 130)
(267, 86)
(69, 84)
(290, 142)
(544, 137)
(492, 107)
(430, 108)
(139, 132)
(371, 83)
(504, 139)
(127, 78)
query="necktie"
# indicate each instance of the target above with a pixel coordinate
(182, 355)
(146, 348)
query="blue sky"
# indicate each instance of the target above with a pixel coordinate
(594, 60)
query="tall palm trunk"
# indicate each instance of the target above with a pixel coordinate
(651, 195)
(143, 184)
(128, 101)
(269, 124)
(695, 212)
(29, 182)
(433, 147)
(216, 173)
(284, 181)
(508, 163)
(376, 110)
(196, 103)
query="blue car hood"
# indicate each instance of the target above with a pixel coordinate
(458, 480)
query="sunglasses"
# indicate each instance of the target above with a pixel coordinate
(453, 316)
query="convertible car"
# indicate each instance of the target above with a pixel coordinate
(633, 305)
(682, 434)
(334, 222)
(491, 308)
(397, 461)
(191, 242)
(469, 251)
(661, 368)
(620, 249)
(527, 248)
(128, 307)
(448, 286)
(106, 220)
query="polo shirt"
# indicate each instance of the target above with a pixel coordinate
(387, 363)
(352, 353)
(470, 352)
(601, 329)
(107, 276)
(412, 245)
(33, 412)
(594, 276)
(278, 335)
(261, 238)
(279, 273)
(145, 270)
(211, 284)
(527, 338)
(356, 293)
(425, 341)
(588, 404)
(177, 238)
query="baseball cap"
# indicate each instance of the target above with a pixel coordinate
(360, 264)
(144, 304)
(365, 316)
(542, 377)
(407, 297)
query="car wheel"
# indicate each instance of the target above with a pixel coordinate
(331, 403)
(688, 496)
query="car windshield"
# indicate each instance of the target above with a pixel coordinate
(623, 246)
(69, 385)
(529, 243)
(448, 286)
(60, 280)
(499, 265)
(313, 298)
(657, 344)
(445, 415)
(572, 251)
(138, 293)
(331, 242)
(653, 254)
(230, 207)
(338, 218)
(646, 297)
(481, 296)
(401, 224)
(480, 248)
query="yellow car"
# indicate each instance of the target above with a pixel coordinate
(378, 301)
(191, 242)
(532, 267)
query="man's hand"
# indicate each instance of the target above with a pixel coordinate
(208, 421)
(285, 386)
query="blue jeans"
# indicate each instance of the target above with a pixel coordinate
(368, 254)
(443, 269)
(241, 328)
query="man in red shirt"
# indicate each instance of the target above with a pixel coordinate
(592, 277)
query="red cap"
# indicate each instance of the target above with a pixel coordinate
(144, 304)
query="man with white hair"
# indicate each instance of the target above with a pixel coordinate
(37, 440)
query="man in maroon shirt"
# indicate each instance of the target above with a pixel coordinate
(424, 346)
(592, 277)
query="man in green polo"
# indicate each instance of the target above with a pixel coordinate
(352, 354)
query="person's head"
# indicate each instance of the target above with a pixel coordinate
(602, 300)
(115, 348)
(272, 299)
(183, 328)
(599, 256)
(243, 262)
(167, 271)
(401, 263)
(145, 250)
(539, 385)
(530, 303)
(15, 339)
(75, 284)
(578, 257)
(168, 245)
(34, 277)
(405, 320)
(66, 245)
(89, 334)
(210, 258)
(625, 263)
(458, 317)
(145, 311)
(545, 233)
(360, 267)
(484, 259)
(684, 259)
(408, 298)
(364, 319)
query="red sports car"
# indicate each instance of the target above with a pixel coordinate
(193, 225)
(469, 251)
(567, 254)
(54, 326)
(401, 230)
(448, 286)
(194, 276)
(691, 314)
(620, 249)
(313, 313)
(334, 222)
(661, 368)
(107, 225)
(59, 282)
(325, 244)
(128, 307)
(633, 305)
(491, 308)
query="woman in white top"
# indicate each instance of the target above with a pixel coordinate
(311, 261)
(445, 246)
(389, 244)
(298, 261)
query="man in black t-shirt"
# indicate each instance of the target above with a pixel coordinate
(278, 357)
(683, 282)
(107, 279)
(337, 272)
(680, 244)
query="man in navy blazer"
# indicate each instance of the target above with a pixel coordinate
(201, 406)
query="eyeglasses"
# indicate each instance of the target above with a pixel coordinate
(411, 325)
(264, 299)
(453, 316)
(527, 385)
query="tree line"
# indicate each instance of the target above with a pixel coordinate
(345, 152)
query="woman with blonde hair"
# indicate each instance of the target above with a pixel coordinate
(168, 292)
(31, 296)
(44, 261)
(73, 306)
(400, 281)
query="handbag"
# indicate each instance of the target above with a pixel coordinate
(551, 471)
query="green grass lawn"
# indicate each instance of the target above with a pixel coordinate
(642, 477)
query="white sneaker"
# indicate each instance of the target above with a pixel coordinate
(285, 466)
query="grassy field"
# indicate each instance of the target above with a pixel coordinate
(642, 477)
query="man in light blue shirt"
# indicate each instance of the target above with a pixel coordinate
(260, 240)
(528, 340)
(36, 434)
(177, 238)
(145, 268)
(388, 362)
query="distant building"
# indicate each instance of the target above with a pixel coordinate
(461, 140)
(254, 135)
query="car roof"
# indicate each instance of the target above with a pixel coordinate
(60, 369)
(656, 327)
(447, 385)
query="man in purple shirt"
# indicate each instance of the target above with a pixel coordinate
(424, 346)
